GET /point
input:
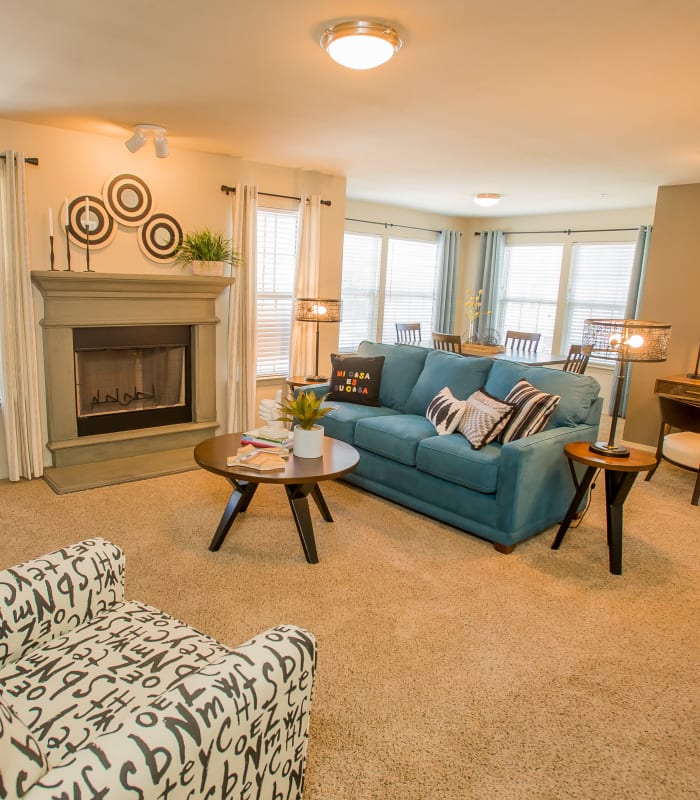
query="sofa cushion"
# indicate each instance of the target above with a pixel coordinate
(396, 437)
(484, 418)
(356, 379)
(577, 392)
(22, 759)
(532, 411)
(462, 375)
(453, 459)
(403, 364)
(128, 656)
(340, 423)
(445, 412)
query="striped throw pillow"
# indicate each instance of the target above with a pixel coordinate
(445, 411)
(533, 409)
(484, 418)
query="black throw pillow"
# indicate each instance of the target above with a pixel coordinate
(355, 379)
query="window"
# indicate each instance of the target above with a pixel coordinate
(276, 260)
(552, 286)
(529, 289)
(386, 279)
(598, 285)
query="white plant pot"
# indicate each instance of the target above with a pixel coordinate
(208, 267)
(308, 443)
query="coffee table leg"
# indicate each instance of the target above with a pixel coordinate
(573, 508)
(298, 502)
(240, 499)
(320, 501)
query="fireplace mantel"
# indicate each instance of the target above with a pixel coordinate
(93, 299)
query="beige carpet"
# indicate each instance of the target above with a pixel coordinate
(446, 670)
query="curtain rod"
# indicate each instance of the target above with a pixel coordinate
(392, 225)
(568, 231)
(232, 190)
(31, 160)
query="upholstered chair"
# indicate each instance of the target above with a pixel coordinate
(102, 697)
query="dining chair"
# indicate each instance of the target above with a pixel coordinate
(683, 447)
(447, 341)
(522, 342)
(408, 333)
(577, 358)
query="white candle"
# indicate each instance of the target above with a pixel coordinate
(65, 213)
(51, 222)
(86, 220)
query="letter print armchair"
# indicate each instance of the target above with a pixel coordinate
(102, 697)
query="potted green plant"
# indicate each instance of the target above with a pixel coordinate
(305, 409)
(206, 252)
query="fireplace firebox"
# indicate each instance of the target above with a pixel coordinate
(130, 377)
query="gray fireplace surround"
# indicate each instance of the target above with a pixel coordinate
(88, 300)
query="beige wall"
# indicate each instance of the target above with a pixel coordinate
(187, 185)
(671, 294)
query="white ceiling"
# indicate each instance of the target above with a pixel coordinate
(558, 105)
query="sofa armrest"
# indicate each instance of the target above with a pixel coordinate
(319, 389)
(534, 480)
(47, 596)
(236, 728)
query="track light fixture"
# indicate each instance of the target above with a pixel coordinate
(138, 140)
(360, 44)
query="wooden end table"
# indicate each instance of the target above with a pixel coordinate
(620, 474)
(300, 478)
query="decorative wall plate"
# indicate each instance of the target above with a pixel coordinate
(128, 199)
(160, 237)
(102, 226)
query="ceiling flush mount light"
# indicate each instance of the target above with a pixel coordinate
(160, 139)
(487, 199)
(360, 44)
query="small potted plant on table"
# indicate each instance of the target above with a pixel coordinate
(305, 409)
(207, 253)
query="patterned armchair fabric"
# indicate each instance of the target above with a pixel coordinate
(102, 697)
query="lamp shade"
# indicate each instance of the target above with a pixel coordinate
(627, 339)
(317, 309)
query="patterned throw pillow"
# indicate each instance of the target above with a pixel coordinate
(355, 379)
(445, 411)
(484, 418)
(533, 409)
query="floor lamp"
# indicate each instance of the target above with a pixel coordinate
(626, 341)
(317, 309)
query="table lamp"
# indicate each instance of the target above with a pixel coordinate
(623, 340)
(317, 309)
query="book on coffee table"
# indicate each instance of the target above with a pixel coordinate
(259, 460)
(268, 436)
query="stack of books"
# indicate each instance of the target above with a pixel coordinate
(268, 437)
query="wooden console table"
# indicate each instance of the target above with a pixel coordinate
(681, 387)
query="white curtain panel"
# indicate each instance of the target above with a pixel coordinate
(302, 348)
(19, 381)
(242, 323)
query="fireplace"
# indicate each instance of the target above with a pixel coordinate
(131, 377)
(129, 364)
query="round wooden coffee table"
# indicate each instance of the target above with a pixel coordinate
(300, 478)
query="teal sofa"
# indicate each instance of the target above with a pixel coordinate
(502, 493)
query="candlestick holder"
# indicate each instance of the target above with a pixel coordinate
(51, 255)
(67, 269)
(87, 246)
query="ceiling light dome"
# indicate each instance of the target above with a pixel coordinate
(487, 199)
(360, 44)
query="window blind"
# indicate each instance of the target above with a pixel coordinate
(410, 286)
(598, 285)
(276, 262)
(529, 289)
(360, 288)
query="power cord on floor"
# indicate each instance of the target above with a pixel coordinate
(576, 521)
